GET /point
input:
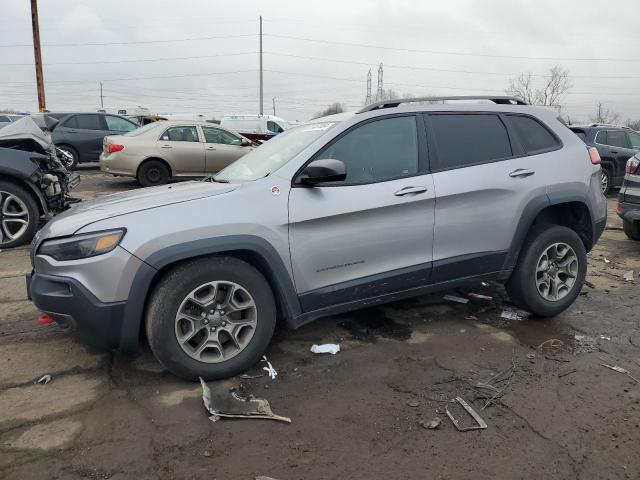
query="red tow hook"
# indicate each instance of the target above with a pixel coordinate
(46, 319)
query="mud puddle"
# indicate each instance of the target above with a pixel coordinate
(370, 324)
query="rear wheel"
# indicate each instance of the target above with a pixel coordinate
(632, 229)
(211, 318)
(550, 271)
(153, 172)
(605, 181)
(19, 215)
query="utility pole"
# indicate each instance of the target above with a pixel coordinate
(101, 97)
(274, 106)
(261, 102)
(42, 104)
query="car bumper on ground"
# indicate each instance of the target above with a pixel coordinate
(94, 322)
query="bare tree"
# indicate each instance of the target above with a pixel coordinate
(605, 115)
(555, 84)
(330, 110)
(633, 124)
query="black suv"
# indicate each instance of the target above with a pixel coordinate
(615, 145)
(80, 135)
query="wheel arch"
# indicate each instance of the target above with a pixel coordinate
(566, 209)
(253, 250)
(159, 159)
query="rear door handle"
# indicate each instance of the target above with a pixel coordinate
(166, 146)
(521, 173)
(410, 191)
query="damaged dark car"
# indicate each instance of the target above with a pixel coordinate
(34, 183)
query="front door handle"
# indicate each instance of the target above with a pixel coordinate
(211, 148)
(166, 146)
(521, 173)
(410, 191)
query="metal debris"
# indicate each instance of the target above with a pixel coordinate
(620, 370)
(269, 368)
(44, 379)
(511, 313)
(567, 372)
(231, 405)
(629, 276)
(331, 348)
(246, 376)
(453, 298)
(479, 421)
(478, 296)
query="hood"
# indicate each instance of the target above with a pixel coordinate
(25, 132)
(116, 204)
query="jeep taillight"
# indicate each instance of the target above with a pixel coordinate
(632, 166)
(114, 147)
(594, 155)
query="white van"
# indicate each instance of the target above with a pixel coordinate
(255, 127)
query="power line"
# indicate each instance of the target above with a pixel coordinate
(443, 52)
(135, 60)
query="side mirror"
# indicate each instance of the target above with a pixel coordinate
(322, 171)
(246, 142)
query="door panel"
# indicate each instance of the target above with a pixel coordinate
(340, 234)
(85, 133)
(180, 146)
(218, 156)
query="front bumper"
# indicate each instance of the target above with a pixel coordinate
(96, 323)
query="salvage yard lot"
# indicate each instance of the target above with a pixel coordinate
(357, 414)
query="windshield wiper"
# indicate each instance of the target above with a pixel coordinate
(212, 178)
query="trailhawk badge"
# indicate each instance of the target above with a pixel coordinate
(275, 190)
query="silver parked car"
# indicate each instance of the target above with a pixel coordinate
(166, 150)
(397, 200)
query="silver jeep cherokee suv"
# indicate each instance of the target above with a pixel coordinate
(399, 199)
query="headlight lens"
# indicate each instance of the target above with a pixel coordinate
(81, 246)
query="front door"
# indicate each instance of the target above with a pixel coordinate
(221, 148)
(372, 233)
(85, 133)
(182, 148)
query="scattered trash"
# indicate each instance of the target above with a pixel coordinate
(44, 379)
(621, 370)
(551, 344)
(269, 368)
(471, 317)
(232, 405)
(511, 313)
(453, 298)
(480, 297)
(491, 392)
(629, 276)
(480, 422)
(432, 425)
(589, 284)
(245, 376)
(605, 260)
(413, 403)
(331, 348)
(567, 372)
(604, 337)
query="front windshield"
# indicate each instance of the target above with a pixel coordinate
(273, 154)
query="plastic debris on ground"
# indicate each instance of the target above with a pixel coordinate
(604, 337)
(620, 370)
(480, 424)
(331, 348)
(432, 425)
(512, 313)
(453, 298)
(230, 404)
(44, 379)
(479, 296)
(629, 276)
(269, 368)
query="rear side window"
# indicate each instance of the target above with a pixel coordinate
(580, 133)
(533, 136)
(377, 151)
(601, 137)
(617, 138)
(181, 134)
(464, 139)
(274, 127)
(634, 138)
(86, 122)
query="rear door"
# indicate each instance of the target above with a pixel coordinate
(180, 145)
(621, 151)
(84, 132)
(221, 148)
(483, 180)
(372, 233)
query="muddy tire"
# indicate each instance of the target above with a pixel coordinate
(19, 215)
(631, 229)
(550, 272)
(211, 317)
(152, 173)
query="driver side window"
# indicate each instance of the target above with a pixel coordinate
(180, 134)
(377, 151)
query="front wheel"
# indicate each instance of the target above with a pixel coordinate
(550, 271)
(19, 215)
(211, 318)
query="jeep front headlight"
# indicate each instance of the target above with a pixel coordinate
(81, 246)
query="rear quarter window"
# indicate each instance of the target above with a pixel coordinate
(533, 136)
(468, 139)
(580, 133)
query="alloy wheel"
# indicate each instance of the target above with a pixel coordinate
(556, 271)
(216, 321)
(14, 217)
(604, 180)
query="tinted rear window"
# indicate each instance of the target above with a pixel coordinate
(617, 138)
(88, 122)
(469, 139)
(533, 136)
(580, 133)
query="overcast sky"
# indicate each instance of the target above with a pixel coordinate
(202, 55)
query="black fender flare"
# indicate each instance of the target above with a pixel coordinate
(278, 277)
(531, 211)
(31, 188)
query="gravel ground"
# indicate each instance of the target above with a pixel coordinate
(359, 414)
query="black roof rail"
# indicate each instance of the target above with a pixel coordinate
(501, 100)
